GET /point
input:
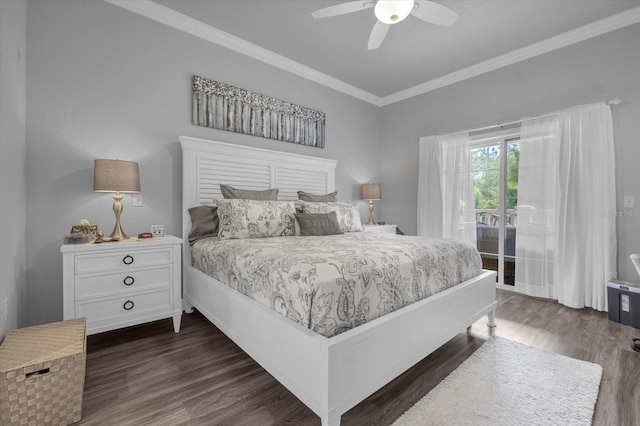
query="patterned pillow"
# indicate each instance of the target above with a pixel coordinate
(347, 213)
(255, 218)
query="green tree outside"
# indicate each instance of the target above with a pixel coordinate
(486, 176)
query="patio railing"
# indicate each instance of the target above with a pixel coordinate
(487, 236)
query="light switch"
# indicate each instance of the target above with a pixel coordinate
(629, 201)
(137, 200)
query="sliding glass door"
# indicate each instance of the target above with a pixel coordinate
(495, 176)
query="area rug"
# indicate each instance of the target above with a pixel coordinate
(508, 383)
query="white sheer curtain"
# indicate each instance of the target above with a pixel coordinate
(446, 204)
(586, 204)
(566, 236)
(536, 230)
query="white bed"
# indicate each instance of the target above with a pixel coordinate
(333, 376)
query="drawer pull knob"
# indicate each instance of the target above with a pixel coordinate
(129, 280)
(127, 260)
(128, 305)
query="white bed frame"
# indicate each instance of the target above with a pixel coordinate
(329, 375)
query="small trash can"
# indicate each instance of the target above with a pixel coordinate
(624, 302)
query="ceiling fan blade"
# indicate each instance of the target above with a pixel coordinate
(378, 33)
(435, 13)
(342, 9)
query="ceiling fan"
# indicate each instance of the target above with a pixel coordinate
(391, 12)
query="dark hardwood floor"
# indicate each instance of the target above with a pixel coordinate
(147, 375)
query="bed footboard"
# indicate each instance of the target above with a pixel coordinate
(336, 374)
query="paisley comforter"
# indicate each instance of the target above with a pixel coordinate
(331, 284)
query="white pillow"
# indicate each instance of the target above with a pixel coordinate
(241, 218)
(347, 213)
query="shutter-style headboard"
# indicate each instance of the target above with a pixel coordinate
(206, 164)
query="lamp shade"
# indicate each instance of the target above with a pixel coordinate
(371, 191)
(116, 176)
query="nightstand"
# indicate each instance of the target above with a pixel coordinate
(118, 284)
(385, 229)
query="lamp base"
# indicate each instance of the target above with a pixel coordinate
(371, 222)
(118, 233)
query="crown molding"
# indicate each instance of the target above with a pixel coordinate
(164, 15)
(594, 29)
(181, 22)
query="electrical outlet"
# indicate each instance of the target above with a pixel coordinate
(629, 201)
(137, 200)
(158, 231)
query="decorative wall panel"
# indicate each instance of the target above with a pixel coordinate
(225, 107)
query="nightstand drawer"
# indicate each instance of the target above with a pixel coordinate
(122, 259)
(102, 285)
(119, 284)
(122, 307)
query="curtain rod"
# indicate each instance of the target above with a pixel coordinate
(610, 102)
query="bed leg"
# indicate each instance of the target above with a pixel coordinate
(188, 307)
(491, 319)
(332, 418)
(176, 322)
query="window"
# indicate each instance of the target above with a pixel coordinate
(495, 179)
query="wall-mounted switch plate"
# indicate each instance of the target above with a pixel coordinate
(629, 201)
(158, 231)
(137, 200)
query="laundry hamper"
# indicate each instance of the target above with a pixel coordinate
(42, 374)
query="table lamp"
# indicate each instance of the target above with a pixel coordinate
(371, 191)
(116, 176)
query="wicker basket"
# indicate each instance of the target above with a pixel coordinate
(42, 374)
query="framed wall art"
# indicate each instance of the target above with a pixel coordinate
(225, 107)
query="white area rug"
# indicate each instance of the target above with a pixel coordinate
(508, 383)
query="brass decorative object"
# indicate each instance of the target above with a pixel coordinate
(89, 229)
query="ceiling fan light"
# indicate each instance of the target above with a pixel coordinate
(392, 11)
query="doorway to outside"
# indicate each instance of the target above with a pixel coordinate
(495, 162)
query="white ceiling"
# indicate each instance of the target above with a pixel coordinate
(415, 56)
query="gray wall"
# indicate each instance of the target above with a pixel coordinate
(13, 41)
(105, 83)
(594, 70)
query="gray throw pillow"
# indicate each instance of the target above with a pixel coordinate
(318, 224)
(314, 198)
(231, 193)
(347, 213)
(204, 223)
